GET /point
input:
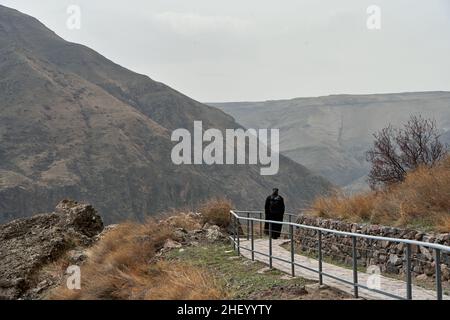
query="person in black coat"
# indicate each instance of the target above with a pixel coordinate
(274, 209)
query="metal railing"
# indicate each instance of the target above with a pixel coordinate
(250, 221)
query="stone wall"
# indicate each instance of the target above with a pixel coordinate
(390, 257)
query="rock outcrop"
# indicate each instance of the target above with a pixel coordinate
(26, 245)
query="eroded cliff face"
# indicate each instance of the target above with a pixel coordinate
(27, 245)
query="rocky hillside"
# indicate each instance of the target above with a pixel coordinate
(38, 254)
(73, 124)
(330, 135)
(183, 256)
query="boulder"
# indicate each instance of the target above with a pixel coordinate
(422, 277)
(445, 272)
(214, 234)
(26, 245)
(395, 260)
(426, 253)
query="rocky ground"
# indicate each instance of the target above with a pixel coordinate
(28, 245)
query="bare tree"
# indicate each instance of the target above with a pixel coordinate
(397, 151)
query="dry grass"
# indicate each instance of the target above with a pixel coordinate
(124, 265)
(187, 221)
(216, 211)
(422, 200)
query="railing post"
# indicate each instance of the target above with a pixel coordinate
(234, 232)
(270, 245)
(260, 225)
(289, 219)
(355, 267)
(238, 237)
(253, 240)
(291, 231)
(320, 258)
(248, 225)
(408, 272)
(437, 261)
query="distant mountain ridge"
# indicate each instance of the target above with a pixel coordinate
(73, 124)
(331, 134)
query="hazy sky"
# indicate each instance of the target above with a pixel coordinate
(230, 50)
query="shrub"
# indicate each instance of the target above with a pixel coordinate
(216, 211)
(398, 151)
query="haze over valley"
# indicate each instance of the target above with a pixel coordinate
(331, 134)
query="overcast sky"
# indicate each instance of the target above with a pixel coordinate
(235, 50)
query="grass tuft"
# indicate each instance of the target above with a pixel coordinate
(217, 212)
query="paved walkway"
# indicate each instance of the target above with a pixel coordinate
(392, 286)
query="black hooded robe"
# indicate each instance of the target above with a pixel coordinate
(274, 209)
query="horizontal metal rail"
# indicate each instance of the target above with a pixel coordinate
(349, 234)
(251, 221)
(258, 212)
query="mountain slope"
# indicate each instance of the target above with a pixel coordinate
(74, 124)
(330, 135)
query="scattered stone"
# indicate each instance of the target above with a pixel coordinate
(76, 257)
(171, 244)
(422, 277)
(316, 286)
(418, 269)
(263, 270)
(419, 236)
(429, 269)
(445, 272)
(248, 262)
(313, 286)
(180, 234)
(395, 260)
(426, 253)
(443, 237)
(213, 234)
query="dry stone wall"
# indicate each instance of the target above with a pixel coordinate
(390, 257)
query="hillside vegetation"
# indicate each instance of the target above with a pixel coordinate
(422, 200)
(180, 256)
(126, 263)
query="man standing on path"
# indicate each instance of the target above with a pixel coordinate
(274, 210)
